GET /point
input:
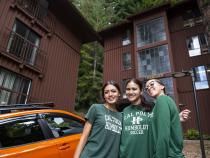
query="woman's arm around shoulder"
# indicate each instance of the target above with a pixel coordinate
(83, 139)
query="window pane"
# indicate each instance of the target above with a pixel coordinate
(197, 45)
(153, 61)
(208, 71)
(23, 42)
(201, 81)
(2, 73)
(190, 14)
(63, 125)
(193, 46)
(20, 132)
(9, 80)
(126, 38)
(150, 32)
(14, 88)
(42, 9)
(4, 96)
(126, 60)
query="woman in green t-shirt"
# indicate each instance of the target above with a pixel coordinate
(102, 130)
(136, 123)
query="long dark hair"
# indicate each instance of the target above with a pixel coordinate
(125, 102)
(113, 83)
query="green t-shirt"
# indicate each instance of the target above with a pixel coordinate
(166, 129)
(135, 133)
(104, 138)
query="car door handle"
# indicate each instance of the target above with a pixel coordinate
(64, 146)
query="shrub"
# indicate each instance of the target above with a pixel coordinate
(193, 134)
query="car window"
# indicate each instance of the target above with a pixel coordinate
(63, 125)
(20, 131)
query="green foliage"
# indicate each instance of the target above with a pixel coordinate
(90, 76)
(193, 134)
(125, 8)
(99, 13)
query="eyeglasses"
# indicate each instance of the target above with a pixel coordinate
(151, 84)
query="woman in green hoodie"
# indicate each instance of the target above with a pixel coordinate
(166, 131)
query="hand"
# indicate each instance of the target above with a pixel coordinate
(184, 115)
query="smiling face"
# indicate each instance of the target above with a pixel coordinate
(133, 93)
(111, 94)
(154, 88)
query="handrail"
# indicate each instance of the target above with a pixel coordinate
(14, 45)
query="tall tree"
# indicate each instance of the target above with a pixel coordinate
(90, 77)
(100, 14)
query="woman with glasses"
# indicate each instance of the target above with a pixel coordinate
(102, 130)
(166, 131)
(137, 137)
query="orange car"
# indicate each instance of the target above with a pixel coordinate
(36, 131)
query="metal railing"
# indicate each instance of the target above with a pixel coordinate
(22, 50)
(37, 12)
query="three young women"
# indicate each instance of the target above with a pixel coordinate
(101, 134)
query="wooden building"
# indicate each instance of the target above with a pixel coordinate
(157, 42)
(40, 44)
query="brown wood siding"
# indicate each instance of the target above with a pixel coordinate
(182, 61)
(113, 64)
(62, 48)
(59, 82)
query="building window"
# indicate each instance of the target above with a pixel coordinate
(192, 17)
(151, 32)
(126, 39)
(13, 88)
(153, 61)
(23, 43)
(197, 45)
(36, 8)
(202, 76)
(126, 60)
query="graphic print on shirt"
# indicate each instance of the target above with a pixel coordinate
(113, 124)
(137, 122)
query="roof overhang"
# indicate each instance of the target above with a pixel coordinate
(72, 18)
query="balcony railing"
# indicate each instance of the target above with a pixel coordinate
(22, 50)
(37, 12)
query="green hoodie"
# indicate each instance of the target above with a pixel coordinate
(166, 129)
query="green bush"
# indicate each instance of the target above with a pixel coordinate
(193, 134)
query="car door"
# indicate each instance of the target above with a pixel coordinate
(66, 130)
(23, 137)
